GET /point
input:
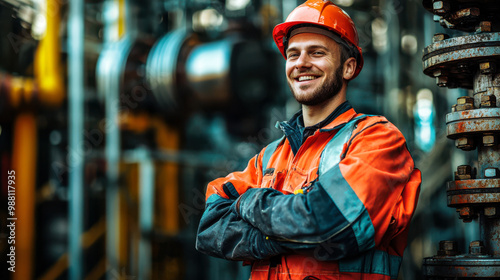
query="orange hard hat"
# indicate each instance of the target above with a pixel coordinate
(325, 14)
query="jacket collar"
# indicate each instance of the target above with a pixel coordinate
(293, 129)
(340, 121)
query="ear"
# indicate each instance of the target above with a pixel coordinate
(349, 68)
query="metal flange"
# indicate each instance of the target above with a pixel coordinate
(476, 121)
(454, 61)
(473, 192)
(461, 266)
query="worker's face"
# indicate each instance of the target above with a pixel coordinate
(313, 68)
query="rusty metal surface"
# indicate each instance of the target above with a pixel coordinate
(462, 266)
(464, 194)
(473, 114)
(473, 184)
(458, 58)
(478, 121)
(489, 226)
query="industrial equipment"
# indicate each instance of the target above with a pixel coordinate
(470, 60)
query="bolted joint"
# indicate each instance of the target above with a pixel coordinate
(467, 214)
(448, 248)
(484, 26)
(441, 7)
(477, 248)
(465, 143)
(442, 81)
(491, 212)
(465, 172)
(465, 103)
(440, 37)
(465, 100)
(490, 140)
(491, 172)
(487, 68)
(488, 101)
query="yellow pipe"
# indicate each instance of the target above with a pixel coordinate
(167, 138)
(16, 90)
(48, 69)
(121, 18)
(24, 158)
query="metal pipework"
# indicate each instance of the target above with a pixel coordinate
(474, 123)
(76, 122)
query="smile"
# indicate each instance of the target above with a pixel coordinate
(306, 78)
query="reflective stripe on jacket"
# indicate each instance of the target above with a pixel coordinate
(350, 222)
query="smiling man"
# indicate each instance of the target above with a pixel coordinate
(333, 198)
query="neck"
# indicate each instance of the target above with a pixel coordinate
(315, 114)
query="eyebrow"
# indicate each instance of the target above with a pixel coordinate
(308, 47)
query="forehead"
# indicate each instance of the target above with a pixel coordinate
(305, 40)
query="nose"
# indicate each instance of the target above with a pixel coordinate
(303, 61)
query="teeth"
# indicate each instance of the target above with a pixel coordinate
(306, 78)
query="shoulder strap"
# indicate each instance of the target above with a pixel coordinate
(268, 152)
(333, 149)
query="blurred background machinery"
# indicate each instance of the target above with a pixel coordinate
(115, 114)
(470, 61)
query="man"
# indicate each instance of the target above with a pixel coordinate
(334, 197)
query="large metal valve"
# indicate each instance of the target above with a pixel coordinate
(470, 62)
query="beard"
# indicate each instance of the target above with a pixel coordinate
(329, 89)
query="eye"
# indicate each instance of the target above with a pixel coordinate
(318, 53)
(292, 55)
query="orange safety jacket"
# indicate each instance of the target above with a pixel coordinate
(336, 206)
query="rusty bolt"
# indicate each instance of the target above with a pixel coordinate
(464, 172)
(448, 248)
(477, 248)
(486, 68)
(437, 73)
(440, 37)
(491, 172)
(465, 103)
(465, 100)
(440, 7)
(466, 214)
(484, 26)
(465, 143)
(490, 211)
(464, 107)
(489, 140)
(442, 81)
(488, 101)
(454, 108)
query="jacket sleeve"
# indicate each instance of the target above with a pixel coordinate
(224, 235)
(221, 233)
(353, 207)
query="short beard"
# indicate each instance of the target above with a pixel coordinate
(329, 89)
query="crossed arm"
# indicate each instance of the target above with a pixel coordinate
(338, 217)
